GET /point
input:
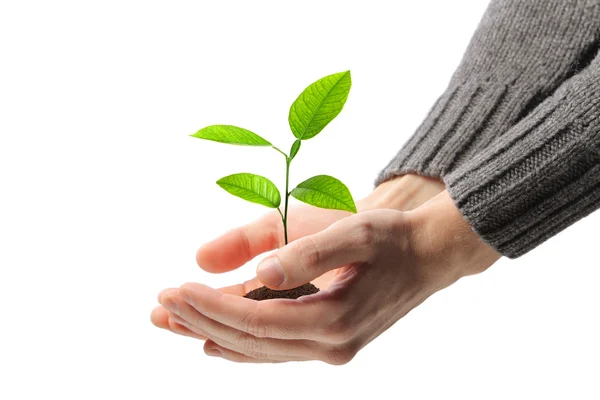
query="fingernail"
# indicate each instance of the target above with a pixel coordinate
(214, 352)
(269, 271)
(170, 305)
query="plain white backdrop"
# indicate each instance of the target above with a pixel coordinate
(105, 198)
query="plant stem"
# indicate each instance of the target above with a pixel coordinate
(276, 148)
(287, 196)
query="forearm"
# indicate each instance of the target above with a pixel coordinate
(441, 237)
(539, 177)
(520, 53)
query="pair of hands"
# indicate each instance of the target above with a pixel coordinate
(372, 268)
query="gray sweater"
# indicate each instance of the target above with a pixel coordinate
(516, 135)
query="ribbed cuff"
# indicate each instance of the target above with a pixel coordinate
(464, 120)
(539, 177)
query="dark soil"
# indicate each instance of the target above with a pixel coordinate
(264, 293)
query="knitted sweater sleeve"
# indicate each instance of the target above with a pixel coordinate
(516, 135)
(521, 52)
(539, 177)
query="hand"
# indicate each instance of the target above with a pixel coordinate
(238, 246)
(336, 322)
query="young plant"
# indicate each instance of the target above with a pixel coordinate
(314, 108)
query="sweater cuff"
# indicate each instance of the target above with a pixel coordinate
(463, 121)
(539, 177)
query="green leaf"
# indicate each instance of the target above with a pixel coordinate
(295, 148)
(319, 104)
(326, 192)
(231, 134)
(254, 188)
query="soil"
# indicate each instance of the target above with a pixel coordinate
(264, 293)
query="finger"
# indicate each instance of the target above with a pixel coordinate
(160, 318)
(238, 246)
(213, 349)
(242, 289)
(347, 241)
(193, 328)
(303, 318)
(227, 348)
(160, 294)
(245, 343)
(160, 315)
(239, 289)
(183, 331)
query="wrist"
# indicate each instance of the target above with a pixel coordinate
(403, 193)
(440, 233)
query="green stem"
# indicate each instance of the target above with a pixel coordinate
(287, 196)
(285, 155)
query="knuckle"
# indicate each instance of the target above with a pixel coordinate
(309, 256)
(251, 346)
(364, 233)
(196, 326)
(197, 322)
(202, 332)
(252, 324)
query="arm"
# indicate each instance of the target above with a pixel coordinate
(521, 52)
(539, 177)
(381, 263)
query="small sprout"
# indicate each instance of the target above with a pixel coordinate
(316, 107)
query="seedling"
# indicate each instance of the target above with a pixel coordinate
(314, 108)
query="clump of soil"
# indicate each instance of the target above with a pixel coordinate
(264, 293)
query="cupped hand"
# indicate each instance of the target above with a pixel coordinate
(240, 245)
(373, 267)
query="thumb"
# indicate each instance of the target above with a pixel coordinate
(344, 242)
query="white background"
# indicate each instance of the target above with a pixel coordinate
(105, 199)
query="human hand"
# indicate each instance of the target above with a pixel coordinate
(375, 248)
(240, 245)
